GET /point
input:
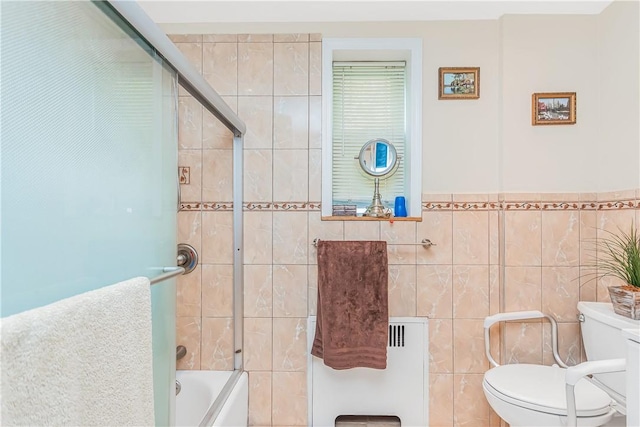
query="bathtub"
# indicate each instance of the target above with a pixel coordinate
(202, 402)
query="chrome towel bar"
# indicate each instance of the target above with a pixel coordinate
(169, 272)
(426, 243)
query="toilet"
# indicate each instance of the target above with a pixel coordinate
(535, 395)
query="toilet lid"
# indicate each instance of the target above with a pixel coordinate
(542, 388)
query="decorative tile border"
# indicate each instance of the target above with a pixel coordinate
(251, 206)
(426, 206)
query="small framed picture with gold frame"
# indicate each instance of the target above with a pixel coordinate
(459, 83)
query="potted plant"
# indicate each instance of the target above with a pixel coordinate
(618, 255)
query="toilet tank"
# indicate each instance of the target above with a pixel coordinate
(602, 338)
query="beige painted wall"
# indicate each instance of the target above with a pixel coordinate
(549, 54)
(489, 144)
(618, 29)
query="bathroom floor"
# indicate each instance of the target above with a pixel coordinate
(366, 421)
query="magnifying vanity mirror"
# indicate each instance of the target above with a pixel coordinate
(378, 158)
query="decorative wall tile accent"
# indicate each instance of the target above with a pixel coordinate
(184, 175)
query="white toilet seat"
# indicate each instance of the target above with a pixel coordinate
(542, 388)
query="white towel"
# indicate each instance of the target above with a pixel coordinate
(82, 361)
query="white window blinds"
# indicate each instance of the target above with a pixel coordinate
(368, 102)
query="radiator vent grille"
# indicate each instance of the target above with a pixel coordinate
(396, 335)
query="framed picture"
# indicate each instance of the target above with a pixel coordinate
(459, 83)
(553, 108)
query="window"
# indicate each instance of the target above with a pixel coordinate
(371, 89)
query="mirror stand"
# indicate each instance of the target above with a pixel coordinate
(377, 209)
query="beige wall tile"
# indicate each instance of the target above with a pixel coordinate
(471, 198)
(291, 68)
(215, 134)
(312, 275)
(185, 38)
(220, 66)
(191, 159)
(470, 291)
(569, 344)
(290, 242)
(217, 238)
(255, 38)
(258, 175)
(471, 237)
(258, 291)
(495, 237)
(290, 175)
(470, 407)
(217, 290)
(437, 197)
(560, 238)
(217, 175)
(468, 346)
(602, 287)
(315, 37)
(217, 344)
(190, 229)
(325, 230)
(523, 342)
(258, 344)
(290, 122)
(588, 233)
(522, 197)
(614, 220)
(315, 122)
(495, 288)
(401, 254)
(188, 294)
(561, 197)
(435, 291)
(523, 238)
(188, 334)
(258, 237)
(523, 288)
(361, 230)
(614, 196)
(255, 68)
(398, 232)
(257, 113)
(259, 398)
(289, 399)
(191, 48)
(189, 123)
(437, 227)
(290, 289)
(561, 292)
(315, 68)
(219, 38)
(441, 346)
(440, 400)
(315, 175)
(290, 38)
(290, 344)
(402, 290)
(588, 286)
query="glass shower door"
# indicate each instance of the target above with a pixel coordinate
(89, 164)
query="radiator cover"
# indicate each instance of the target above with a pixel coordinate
(401, 390)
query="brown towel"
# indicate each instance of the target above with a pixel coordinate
(353, 310)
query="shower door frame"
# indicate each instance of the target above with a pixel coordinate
(197, 86)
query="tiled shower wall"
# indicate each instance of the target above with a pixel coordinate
(273, 83)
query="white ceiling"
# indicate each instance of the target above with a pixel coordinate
(205, 11)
